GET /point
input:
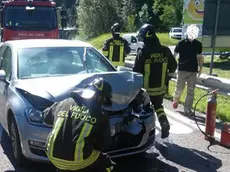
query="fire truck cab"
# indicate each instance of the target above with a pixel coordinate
(28, 19)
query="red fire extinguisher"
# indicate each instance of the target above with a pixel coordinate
(211, 116)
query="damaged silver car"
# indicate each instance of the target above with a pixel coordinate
(36, 73)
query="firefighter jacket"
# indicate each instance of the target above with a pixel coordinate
(78, 136)
(154, 62)
(116, 50)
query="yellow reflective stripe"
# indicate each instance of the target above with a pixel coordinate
(147, 78)
(118, 63)
(155, 89)
(66, 164)
(161, 114)
(159, 110)
(57, 126)
(109, 169)
(78, 156)
(164, 70)
(121, 53)
(111, 53)
(105, 53)
(156, 93)
(74, 165)
(146, 75)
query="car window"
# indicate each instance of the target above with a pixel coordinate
(95, 63)
(56, 61)
(133, 39)
(177, 30)
(6, 62)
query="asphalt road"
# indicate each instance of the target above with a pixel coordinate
(185, 150)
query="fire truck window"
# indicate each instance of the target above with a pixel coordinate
(6, 63)
(41, 18)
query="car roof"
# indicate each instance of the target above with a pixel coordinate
(130, 34)
(176, 28)
(32, 43)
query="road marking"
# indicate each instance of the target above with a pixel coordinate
(189, 122)
(176, 127)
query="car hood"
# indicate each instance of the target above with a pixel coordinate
(125, 86)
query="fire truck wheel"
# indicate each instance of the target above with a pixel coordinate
(15, 143)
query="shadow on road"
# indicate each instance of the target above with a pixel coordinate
(138, 163)
(31, 166)
(201, 119)
(189, 158)
(143, 163)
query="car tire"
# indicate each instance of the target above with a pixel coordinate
(222, 56)
(20, 160)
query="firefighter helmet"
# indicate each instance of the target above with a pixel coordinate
(116, 28)
(99, 87)
(147, 31)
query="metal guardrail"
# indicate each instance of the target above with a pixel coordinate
(205, 82)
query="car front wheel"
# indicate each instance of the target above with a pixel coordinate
(15, 143)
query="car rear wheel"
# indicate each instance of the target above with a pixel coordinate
(223, 56)
(15, 143)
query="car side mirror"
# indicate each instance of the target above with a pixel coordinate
(2, 75)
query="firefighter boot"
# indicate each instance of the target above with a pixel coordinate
(165, 126)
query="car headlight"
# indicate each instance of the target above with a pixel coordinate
(34, 116)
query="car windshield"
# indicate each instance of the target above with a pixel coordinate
(58, 61)
(177, 30)
(39, 18)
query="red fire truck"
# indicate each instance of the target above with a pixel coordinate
(28, 19)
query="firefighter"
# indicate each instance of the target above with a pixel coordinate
(81, 131)
(155, 61)
(116, 48)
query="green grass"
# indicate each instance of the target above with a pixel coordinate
(99, 41)
(223, 108)
(220, 67)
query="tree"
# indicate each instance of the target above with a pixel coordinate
(143, 14)
(129, 15)
(168, 18)
(178, 6)
(97, 17)
(169, 12)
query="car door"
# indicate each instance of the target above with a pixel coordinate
(6, 65)
(2, 51)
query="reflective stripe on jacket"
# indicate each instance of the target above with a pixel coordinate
(75, 141)
(116, 51)
(154, 62)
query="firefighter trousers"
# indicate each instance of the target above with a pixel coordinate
(157, 102)
(102, 164)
